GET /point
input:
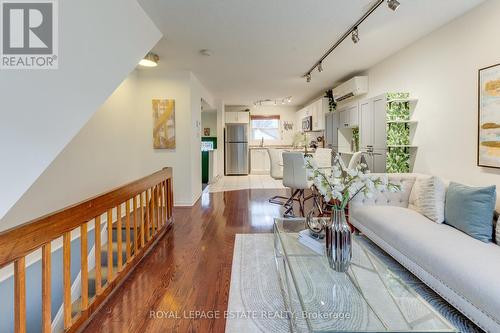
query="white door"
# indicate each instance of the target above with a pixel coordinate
(353, 116)
(379, 123)
(366, 124)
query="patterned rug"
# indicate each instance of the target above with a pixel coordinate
(256, 302)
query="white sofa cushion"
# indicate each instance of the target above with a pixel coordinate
(467, 266)
(428, 197)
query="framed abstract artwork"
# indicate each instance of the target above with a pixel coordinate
(488, 154)
(163, 123)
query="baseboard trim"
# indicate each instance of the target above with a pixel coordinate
(187, 203)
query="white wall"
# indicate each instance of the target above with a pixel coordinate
(42, 110)
(219, 105)
(115, 147)
(441, 70)
(209, 120)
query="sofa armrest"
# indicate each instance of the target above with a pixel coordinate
(386, 198)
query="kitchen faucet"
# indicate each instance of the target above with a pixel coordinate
(262, 142)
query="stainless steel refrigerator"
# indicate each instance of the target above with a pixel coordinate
(236, 149)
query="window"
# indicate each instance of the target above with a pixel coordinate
(267, 127)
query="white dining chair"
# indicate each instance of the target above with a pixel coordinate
(276, 159)
(323, 157)
(295, 178)
(356, 159)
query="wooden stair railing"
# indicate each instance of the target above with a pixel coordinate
(148, 204)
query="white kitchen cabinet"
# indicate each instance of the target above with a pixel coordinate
(348, 116)
(376, 161)
(372, 125)
(237, 117)
(259, 161)
(317, 110)
(331, 130)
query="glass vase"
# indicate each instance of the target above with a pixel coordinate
(338, 241)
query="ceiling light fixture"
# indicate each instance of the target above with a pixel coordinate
(355, 35)
(393, 4)
(150, 60)
(206, 52)
(320, 67)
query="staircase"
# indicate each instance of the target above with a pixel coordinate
(120, 244)
(76, 307)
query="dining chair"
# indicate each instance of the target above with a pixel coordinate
(323, 157)
(356, 159)
(276, 159)
(295, 178)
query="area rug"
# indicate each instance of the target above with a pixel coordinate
(256, 302)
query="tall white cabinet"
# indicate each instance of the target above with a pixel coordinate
(372, 132)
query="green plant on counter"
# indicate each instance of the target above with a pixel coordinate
(398, 160)
(332, 105)
(398, 134)
(355, 136)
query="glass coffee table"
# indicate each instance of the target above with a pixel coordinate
(368, 298)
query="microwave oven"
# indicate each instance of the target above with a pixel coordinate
(307, 124)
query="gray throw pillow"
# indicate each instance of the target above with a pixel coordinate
(470, 209)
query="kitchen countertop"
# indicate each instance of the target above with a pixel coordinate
(270, 146)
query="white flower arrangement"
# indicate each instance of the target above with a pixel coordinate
(341, 184)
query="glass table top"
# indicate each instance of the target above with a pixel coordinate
(368, 298)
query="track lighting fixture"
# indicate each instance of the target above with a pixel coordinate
(393, 4)
(275, 101)
(355, 35)
(320, 67)
(352, 32)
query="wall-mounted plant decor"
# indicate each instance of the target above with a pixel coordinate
(398, 160)
(398, 134)
(398, 106)
(332, 105)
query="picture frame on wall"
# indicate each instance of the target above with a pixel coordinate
(488, 147)
(163, 123)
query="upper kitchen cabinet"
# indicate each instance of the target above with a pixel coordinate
(317, 110)
(349, 116)
(237, 117)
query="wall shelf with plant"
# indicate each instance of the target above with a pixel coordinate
(400, 151)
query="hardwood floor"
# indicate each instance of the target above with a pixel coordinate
(190, 268)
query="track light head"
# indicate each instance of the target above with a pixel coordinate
(393, 4)
(308, 77)
(320, 67)
(355, 35)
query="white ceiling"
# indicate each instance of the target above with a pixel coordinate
(261, 48)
